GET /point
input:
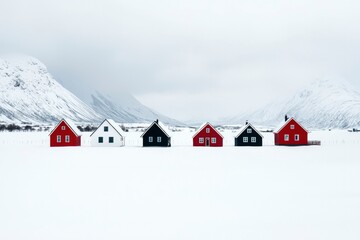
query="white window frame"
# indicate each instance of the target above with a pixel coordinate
(292, 126)
(112, 140)
(201, 140)
(100, 138)
(286, 137)
(158, 139)
(253, 139)
(213, 140)
(58, 138)
(249, 130)
(67, 138)
(207, 130)
(245, 139)
(151, 139)
(297, 137)
(63, 128)
(106, 127)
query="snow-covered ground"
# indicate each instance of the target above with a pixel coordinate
(180, 192)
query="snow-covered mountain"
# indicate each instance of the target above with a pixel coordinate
(323, 104)
(28, 93)
(125, 108)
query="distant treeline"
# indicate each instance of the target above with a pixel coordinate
(26, 128)
(36, 128)
(88, 128)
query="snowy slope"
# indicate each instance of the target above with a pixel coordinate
(323, 104)
(125, 108)
(28, 93)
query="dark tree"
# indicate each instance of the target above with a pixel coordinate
(28, 128)
(13, 127)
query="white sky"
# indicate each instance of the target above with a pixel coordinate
(189, 59)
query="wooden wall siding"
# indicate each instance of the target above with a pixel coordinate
(64, 130)
(119, 140)
(207, 137)
(287, 130)
(239, 140)
(155, 132)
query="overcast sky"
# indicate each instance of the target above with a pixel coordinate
(189, 59)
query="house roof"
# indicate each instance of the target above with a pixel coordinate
(242, 129)
(203, 126)
(113, 124)
(70, 124)
(160, 125)
(281, 126)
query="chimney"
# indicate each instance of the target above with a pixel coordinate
(247, 122)
(286, 117)
(157, 121)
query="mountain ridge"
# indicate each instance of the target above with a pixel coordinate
(132, 111)
(324, 104)
(29, 93)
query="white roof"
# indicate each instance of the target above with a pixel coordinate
(160, 125)
(113, 124)
(70, 124)
(242, 129)
(204, 125)
(282, 125)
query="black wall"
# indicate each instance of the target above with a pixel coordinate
(155, 132)
(239, 140)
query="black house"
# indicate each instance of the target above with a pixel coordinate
(248, 136)
(155, 136)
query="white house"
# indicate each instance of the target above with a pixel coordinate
(108, 134)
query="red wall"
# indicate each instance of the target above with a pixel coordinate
(211, 134)
(280, 137)
(74, 140)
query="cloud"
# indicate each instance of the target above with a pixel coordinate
(187, 51)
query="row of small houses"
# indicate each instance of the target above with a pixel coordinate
(109, 133)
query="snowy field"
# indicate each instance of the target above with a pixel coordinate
(290, 193)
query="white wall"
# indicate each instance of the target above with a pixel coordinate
(118, 140)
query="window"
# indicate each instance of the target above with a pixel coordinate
(297, 137)
(207, 130)
(249, 130)
(58, 138)
(106, 129)
(201, 140)
(158, 139)
(63, 127)
(253, 139)
(213, 140)
(286, 137)
(101, 139)
(150, 139)
(292, 126)
(67, 138)
(111, 139)
(245, 139)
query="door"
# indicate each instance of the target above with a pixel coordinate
(207, 142)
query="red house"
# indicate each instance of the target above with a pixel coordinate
(291, 133)
(207, 136)
(65, 134)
